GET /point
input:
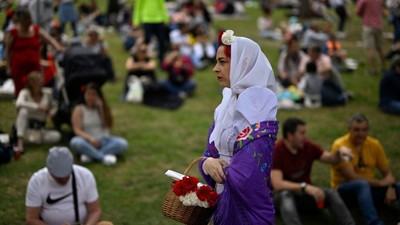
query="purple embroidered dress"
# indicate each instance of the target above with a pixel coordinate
(246, 198)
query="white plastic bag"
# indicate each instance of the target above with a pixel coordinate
(135, 91)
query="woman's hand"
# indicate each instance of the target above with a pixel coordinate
(94, 142)
(214, 168)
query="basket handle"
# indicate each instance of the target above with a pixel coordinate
(192, 163)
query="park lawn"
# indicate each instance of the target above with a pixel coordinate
(132, 192)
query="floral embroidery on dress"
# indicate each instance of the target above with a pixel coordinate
(244, 142)
(245, 133)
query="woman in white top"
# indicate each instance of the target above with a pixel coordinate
(35, 104)
(91, 121)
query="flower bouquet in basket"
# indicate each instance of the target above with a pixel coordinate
(188, 201)
(191, 195)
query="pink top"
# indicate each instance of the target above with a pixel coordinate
(371, 12)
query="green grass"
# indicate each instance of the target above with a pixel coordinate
(132, 192)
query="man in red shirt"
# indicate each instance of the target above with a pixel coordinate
(290, 176)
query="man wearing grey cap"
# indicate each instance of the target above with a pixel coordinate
(62, 193)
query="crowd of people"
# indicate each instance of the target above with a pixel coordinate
(311, 62)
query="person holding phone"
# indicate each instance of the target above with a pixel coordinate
(91, 121)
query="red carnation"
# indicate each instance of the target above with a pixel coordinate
(212, 198)
(179, 188)
(190, 183)
(186, 185)
(203, 192)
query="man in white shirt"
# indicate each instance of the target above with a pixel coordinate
(50, 195)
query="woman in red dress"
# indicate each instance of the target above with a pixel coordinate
(23, 49)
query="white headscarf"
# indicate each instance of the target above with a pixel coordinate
(249, 68)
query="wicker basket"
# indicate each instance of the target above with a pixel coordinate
(174, 209)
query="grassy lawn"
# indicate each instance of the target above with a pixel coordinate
(132, 192)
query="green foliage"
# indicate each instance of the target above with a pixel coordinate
(132, 191)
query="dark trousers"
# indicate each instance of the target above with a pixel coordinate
(341, 12)
(157, 29)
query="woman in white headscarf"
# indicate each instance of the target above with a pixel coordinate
(241, 140)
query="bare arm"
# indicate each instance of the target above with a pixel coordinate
(350, 175)
(387, 176)
(94, 213)
(50, 40)
(279, 184)
(9, 42)
(389, 179)
(32, 216)
(333, 158)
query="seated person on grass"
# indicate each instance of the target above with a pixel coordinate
(355, 180)
(291, 181)
(35, 104)
(389, 95)
(51, 191)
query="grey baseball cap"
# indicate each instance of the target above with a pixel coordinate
(59, 162)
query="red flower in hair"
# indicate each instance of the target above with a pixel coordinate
(220, 37)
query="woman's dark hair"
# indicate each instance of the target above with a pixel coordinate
(227, 49)
(290, 126)
(22, 13)
(106, 108)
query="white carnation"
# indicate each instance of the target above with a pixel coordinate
(228, 37)
(203, 204)
(189, 199)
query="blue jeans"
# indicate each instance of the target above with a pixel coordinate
(108, 145)
(188, 87)
(392, 107)
(367, 197)
(289, 203)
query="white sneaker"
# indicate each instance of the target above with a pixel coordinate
(109, 160)
(86, 159)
